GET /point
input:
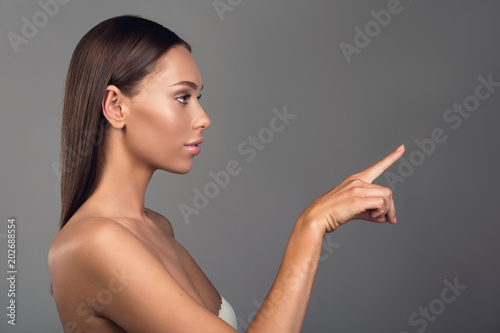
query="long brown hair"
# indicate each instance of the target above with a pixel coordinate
(120, 51)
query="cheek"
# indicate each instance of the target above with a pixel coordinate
(156, 135)
(168, 131)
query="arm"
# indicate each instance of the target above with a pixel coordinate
(285, 306)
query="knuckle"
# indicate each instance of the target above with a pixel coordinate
(387, 192)
(355, 176)
(356, 182)
(356, 201)
(354, 192)
(350, 178)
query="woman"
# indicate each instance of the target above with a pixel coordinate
(131, 107)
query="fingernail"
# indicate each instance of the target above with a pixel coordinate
(400, 148)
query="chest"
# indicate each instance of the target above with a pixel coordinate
(184, 270)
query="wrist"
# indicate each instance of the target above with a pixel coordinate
(310, 229)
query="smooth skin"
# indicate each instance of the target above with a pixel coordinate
(116, 266)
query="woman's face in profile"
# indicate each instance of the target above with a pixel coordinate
(165, 118)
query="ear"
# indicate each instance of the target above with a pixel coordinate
(112, 107)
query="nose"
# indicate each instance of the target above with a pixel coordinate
(202, 120)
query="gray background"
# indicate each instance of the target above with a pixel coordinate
(272, 54)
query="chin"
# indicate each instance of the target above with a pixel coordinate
(181, 170)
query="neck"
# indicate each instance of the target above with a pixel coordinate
(123, 182)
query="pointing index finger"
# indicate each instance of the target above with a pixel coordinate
(373, 172)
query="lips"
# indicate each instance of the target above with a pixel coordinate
(195, 143)
(193, 146)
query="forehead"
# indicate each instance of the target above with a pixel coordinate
(177, 65)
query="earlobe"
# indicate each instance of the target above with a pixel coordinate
(112, 107)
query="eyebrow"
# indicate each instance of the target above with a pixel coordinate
(190, 84)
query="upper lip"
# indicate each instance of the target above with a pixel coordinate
(195, 143)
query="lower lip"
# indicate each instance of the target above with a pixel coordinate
(193, 149)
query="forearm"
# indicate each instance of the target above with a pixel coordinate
(285, 306)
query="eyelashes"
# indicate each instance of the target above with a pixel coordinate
(184, 99)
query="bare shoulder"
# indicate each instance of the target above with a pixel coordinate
(103, 274)
(91, 237)
(91, 257)
(88, 242)
(90, 229)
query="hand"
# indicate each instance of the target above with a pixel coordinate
(356, 198)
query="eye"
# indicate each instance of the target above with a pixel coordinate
(183, 99)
